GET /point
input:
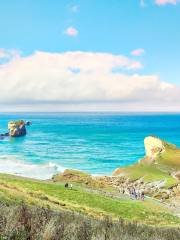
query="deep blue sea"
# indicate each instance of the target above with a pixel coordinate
(94, 142)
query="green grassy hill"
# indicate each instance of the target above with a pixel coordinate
(55, 196)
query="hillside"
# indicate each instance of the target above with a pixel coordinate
(53, 199)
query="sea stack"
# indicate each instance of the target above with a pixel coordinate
(17, 128)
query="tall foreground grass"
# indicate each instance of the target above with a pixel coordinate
(21, 222)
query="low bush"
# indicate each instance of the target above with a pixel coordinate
(22, 222)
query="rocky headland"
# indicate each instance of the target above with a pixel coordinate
(157, 174)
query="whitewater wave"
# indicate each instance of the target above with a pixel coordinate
(10, 165)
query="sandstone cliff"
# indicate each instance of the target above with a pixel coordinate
(158, 154)
(153, 147)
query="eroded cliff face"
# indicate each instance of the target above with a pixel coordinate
(153, 147)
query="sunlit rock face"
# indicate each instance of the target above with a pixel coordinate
(176, 175)
(17, 128)
(153, 147)
(118, 172)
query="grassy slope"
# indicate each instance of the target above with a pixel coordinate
(55, 196)
(150, 173)
(170, 158)
(166, 162)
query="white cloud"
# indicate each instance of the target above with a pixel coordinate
(71, 31)
(9, 54)
(77, 79)
(3, 53)
(164, 2)
(138, 52)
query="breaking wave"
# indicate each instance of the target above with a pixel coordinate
(10, 165)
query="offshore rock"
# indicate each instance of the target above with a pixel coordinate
(17, 128)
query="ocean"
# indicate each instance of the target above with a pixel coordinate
(97, 143)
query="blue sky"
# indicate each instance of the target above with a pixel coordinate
(105, 26)
(116, 27)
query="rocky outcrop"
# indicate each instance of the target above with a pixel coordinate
(4, 134)
(153, 147)
(119, 172)
(154, 154)
(17, 128)
(176, 175)
(72, 175)
(76, 176)
(157, 174)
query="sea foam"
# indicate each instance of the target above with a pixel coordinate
(10, 165)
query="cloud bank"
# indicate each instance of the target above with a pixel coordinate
(6, 55)
(85, 79)
(164, 2)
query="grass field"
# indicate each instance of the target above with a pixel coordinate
(55, 196)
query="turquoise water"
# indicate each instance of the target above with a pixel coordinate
(94, 142)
